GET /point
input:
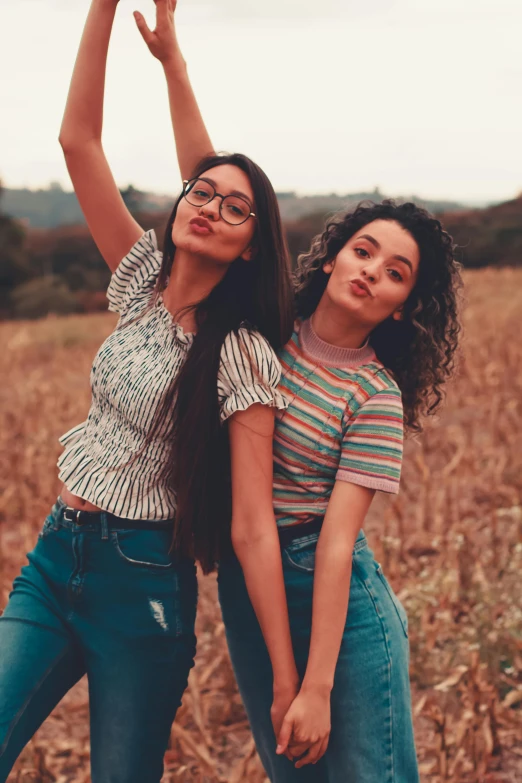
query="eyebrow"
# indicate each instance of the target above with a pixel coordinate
(232, 192)
(378, 247)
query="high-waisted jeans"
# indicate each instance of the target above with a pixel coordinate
(371, 738)
(111, 603)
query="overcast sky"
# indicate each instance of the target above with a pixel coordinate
(415, 96)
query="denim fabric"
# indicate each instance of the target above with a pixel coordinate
(112, 604)
(371, 739)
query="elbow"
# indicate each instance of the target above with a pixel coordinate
(67, 137)
(65, 142)
(248, 538)
(74, 143)
(68, 143)
(242, 542)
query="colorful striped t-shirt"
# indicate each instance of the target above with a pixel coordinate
(344, 422)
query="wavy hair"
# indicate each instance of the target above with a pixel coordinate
(419, 350)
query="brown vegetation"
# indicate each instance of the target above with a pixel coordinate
(451, 545)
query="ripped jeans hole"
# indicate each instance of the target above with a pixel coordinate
(158, 612)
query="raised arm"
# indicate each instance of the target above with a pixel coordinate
(190, 133)
(112, 226)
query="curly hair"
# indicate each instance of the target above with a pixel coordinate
(419, 350)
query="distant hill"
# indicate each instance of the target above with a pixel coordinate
(59, 269)
(491, 236)
(294, 207)
(483, 237)
(57, 207)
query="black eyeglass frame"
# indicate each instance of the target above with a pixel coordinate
(187, 182)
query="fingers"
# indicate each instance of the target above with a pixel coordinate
(297, 749)
(315, 752)
(312, 756)
(163, 11)
(284, 735)
(143, 27)
(323, 747)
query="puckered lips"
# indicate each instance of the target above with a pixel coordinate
(360, 288)
(200, 225)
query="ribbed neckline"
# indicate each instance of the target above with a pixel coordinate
(333, 355)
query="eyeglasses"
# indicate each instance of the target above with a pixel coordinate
(233, 209)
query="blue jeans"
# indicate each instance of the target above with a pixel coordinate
(111, 603)
(371, 739)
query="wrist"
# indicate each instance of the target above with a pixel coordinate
(283, 686)
(174, 65)
(110, 5)
(320, 687)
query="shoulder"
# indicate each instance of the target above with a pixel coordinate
(374, 379)
(249, 373)
(136, 274)
(377, 394)
(248, 351)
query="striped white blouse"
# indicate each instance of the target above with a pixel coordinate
(131, 373)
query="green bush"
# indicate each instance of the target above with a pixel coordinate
(42, 296)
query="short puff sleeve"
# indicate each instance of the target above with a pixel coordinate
(371, 449)
(249, 373)
(135, 276)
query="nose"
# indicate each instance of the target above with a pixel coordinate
(370, 270)
(210, 210)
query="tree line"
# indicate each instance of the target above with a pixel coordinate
(60, 270)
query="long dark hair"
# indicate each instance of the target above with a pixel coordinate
(419, 350)
(258, 294)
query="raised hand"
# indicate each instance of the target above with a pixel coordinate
(162, 41)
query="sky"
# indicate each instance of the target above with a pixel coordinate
(413, 96)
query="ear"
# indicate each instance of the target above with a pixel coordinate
(328, 267)
(398, 315)
(248, 254)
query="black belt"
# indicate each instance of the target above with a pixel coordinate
(289, 533)
(79, 517)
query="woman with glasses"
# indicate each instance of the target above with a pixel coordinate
(110, 589)
(373, 344)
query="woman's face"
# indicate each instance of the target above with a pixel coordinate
(201, 230)
(374, 273)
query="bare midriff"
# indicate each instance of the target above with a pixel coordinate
(73, 501)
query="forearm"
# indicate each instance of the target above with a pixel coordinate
(260, 558)
(83, 118)
(190, 134)
(333, 569)
(347, 509)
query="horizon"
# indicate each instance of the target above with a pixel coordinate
(293, 193)
(415, 99)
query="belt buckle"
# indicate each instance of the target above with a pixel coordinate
(73, 512)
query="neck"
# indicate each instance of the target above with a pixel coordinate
(335, 326)
(192, 278)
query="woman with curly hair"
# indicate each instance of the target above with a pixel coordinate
(373, 344)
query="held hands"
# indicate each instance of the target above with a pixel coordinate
(162, 41)
(306, 727)
(283, 698)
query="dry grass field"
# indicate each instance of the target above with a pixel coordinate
(451, 545)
